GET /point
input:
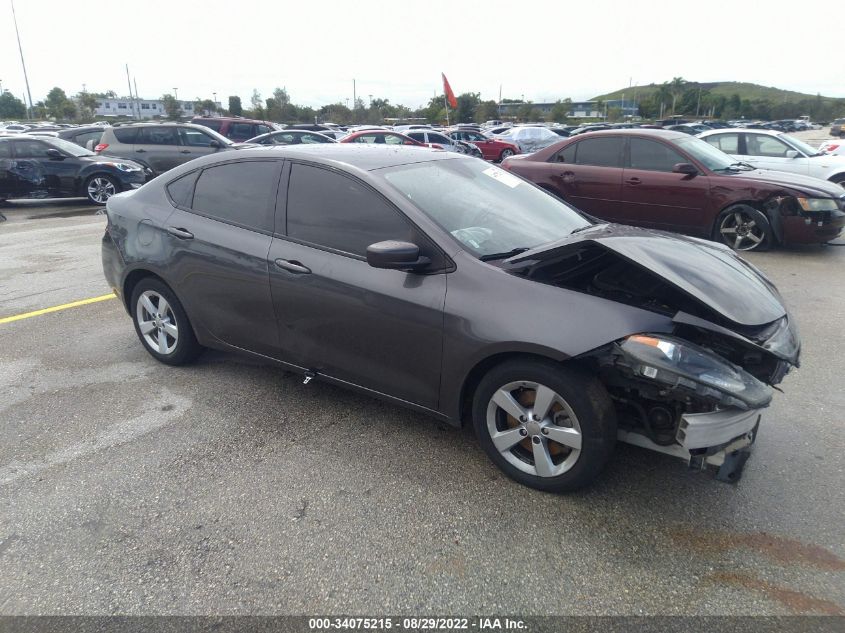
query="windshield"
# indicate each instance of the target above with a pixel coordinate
(486, 208)
(709, 156)
(801, 146)
(66, 146)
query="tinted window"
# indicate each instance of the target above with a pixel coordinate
(245, 130)
(417, 136)
(240, 193)
(332, 210)
(262, 129)
(85, 138)
(157, 136)
(126, 134)
(312, 138)
(181, 190)
(760, 145)
(438, 138)
(653, 156)
(567, 154)
(5, 150)
(31, 149)
(194, 138)
(728, 143)
(602, 152)
(213, 125)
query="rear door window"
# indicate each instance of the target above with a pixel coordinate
(242, 130)
(157, 136)
(600, 152)
(728, 143)
(240, 193)
(126, 134)
(652, 156)
(212, 125)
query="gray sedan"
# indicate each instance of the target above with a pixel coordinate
(453, 287)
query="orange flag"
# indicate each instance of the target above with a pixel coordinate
(450, 96)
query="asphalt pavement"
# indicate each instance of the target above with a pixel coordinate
(229, 487)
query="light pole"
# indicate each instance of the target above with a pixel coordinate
(176, 94)
(23, 64)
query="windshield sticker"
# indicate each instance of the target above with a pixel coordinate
(502, 176)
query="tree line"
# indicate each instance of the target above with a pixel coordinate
(676, 97)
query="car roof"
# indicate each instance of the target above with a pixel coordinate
(361, 156)
(734, 130)
(665, 134)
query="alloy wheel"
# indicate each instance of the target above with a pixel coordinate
(534, 428)
(157, 322)
(506, 153)
(741, 232)
(100, 189)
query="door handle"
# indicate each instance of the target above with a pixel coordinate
(140, 151)
(184, 151)
(633, 181)
(292, 266)
(182, 234)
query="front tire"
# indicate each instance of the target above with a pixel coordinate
(161, 323)
(743, 228)
(99, 188)
(545, 425)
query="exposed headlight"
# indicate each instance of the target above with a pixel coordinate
(818, 204)
(680, 363)
(124, 166)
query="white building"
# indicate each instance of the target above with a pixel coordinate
(147, 108)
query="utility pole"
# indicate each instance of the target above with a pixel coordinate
(23, 64)
(354, 96)
(137, 102)
(129, 83)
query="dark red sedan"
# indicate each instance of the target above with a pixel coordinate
(381, 137)
(491, 149)
(676, 182)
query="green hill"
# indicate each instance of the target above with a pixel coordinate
(725, 88)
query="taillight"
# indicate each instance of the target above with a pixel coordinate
(830, 148)
(100, 147)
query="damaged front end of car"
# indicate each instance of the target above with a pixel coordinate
(697, 391)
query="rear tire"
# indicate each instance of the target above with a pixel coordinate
(743, 228)
(570, 440)
(162, 324)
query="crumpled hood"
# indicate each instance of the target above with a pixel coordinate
(709, 273)
(808, 185)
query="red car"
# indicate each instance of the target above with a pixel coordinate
(677, 182)
(491, 149)
(382, 137)
(237, 129)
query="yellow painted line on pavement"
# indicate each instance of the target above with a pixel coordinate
(64, 306)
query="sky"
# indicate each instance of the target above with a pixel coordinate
(537, 50)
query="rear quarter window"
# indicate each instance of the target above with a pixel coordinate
(212, 125)
(126, 134)
(181, 190)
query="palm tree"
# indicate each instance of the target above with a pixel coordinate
(677, 89)
(662, 96)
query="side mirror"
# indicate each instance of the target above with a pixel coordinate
(791, 153)
(685, 168)
(215, 144)
(55, 154)
(396, 255)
